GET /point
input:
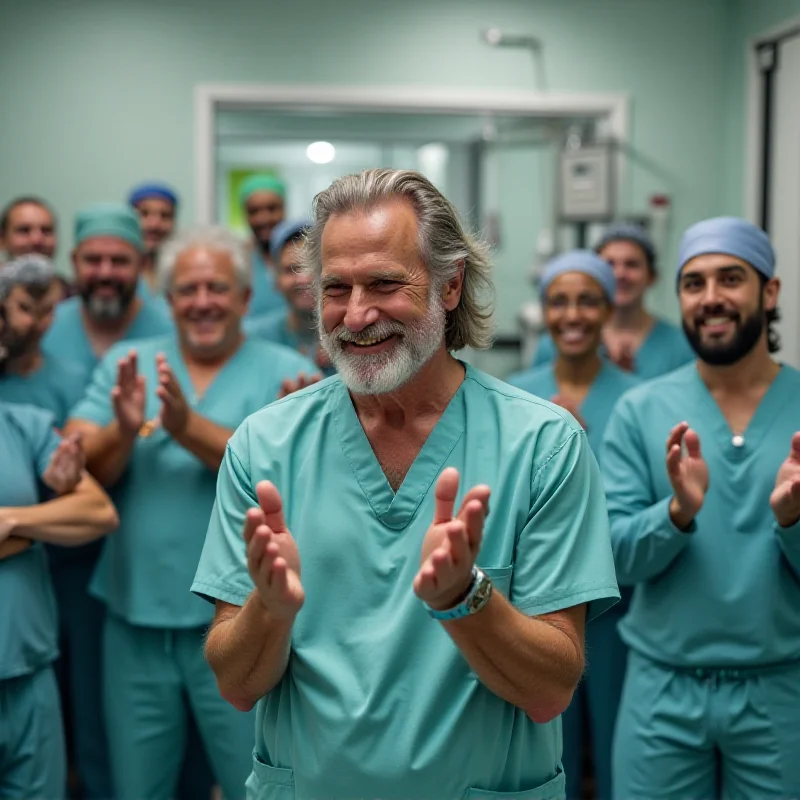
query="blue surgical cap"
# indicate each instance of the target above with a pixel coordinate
(148, 190)
(109, 219)
(284, 231)
(584, 261)
(627, 232)
(729, 236)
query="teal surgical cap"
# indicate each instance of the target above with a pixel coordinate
(729, 236)
(584, 261)
(261, 183)
(107, 219)
(626, 232)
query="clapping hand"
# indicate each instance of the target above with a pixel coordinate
(175, 411)
(65, 470)
(451, 544)
(785, 498)
(569, 405)
(272, 556)
(128, 396)
(290, 386)
(688, 474)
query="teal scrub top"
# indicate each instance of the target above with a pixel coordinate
(664, 349)
(164, 499)
(266, 298)
(726, 594)
(28, 623)
(274, 327)
(377, 701)
(608, 386)
(55, 386)
(67, 340)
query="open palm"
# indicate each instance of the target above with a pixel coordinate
(688, 471)
(129, 395)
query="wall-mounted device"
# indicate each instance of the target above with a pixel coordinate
(586, 182)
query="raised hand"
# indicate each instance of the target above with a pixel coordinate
(785, 497)
(129, 395)
(272, 556)
(688, 474)
(290, 386)
(624, 357)
(65, 470)
(175, 411)
(569, 405)
(451, 544)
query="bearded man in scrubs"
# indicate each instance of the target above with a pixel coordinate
(262, 198)
(295, 325)
(155, 423)
(157, 207)
(435, 635)
(702, 471)
(28, 295)
(577, 293)
(107, 309)
(44, 497)
(633, 338)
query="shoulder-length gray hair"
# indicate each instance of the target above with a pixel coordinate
(444, 245)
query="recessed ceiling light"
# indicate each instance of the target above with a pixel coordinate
(321, 152)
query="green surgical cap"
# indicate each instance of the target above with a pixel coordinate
(107, 219)
(261, 183)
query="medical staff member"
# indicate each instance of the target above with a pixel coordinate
(422, 621)
(633, 338)
(32, 757)
(157, 207)
(577, 293)
(294, 325)
(155, 423)
(702, 469)
(28, 295)
(262, 198)
(107, 259)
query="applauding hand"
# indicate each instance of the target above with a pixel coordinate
(65, 470)
(785, 498)
(451, 544)
(175, 410)
(688, 474)
(272, 556)
(128, 396)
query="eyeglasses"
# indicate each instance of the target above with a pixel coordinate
(584, 302)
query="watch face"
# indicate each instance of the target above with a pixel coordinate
(482, 593)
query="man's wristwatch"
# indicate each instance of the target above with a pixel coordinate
(478, 595)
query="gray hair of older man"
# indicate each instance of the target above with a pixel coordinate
(444, 245)
(204, 237)
(33, 272)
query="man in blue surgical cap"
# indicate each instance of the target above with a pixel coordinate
(157, 207)
(107, 261)
(295, 325)
(702, 471)
(262, 198)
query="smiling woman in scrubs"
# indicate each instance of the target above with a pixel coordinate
(577, 294)
(156, 420)
(633, 338)
(396, 667)
(702, 471)
(32, 757)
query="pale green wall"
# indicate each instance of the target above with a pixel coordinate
(748, 20)
(96, 95)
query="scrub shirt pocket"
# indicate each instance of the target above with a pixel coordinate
(554, 789)
(269, 783)
(500, 578)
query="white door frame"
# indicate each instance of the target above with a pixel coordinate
(210, 98)
(753, 110)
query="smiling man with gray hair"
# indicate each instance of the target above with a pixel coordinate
(430, 645)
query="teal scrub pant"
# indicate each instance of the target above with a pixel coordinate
(80, 668)
(155, 678)
(595, 705)
(705, 734)
(32, 757)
